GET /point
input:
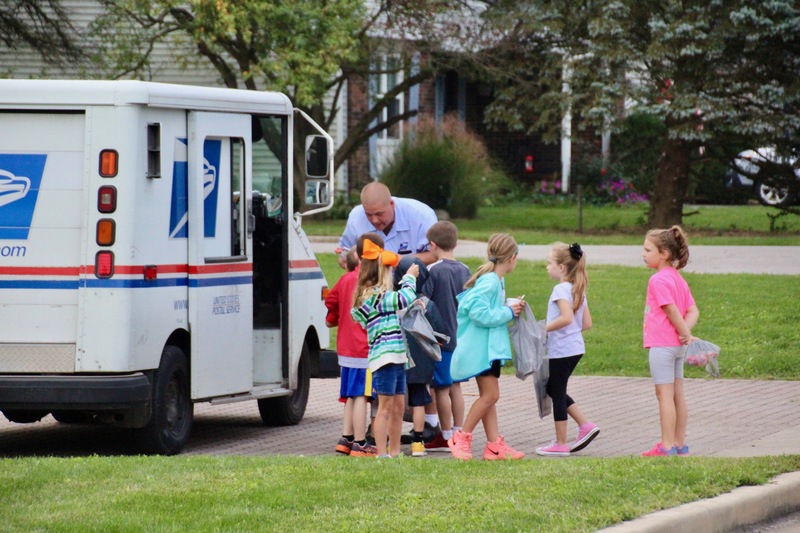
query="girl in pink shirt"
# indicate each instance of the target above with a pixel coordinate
(669, 316)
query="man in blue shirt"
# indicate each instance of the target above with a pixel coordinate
(404, 222)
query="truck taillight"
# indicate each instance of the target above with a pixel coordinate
(109, 163)
(104, 264)
(106, 230)
(107, 199)
(325, 291)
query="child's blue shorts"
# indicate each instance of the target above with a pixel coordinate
(389, 380)
(355, 382)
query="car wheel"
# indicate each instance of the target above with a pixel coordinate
(773, 196)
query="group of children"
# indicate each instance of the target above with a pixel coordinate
(473, 311)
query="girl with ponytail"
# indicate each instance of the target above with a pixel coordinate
(567, 317)
(483, 346)
(375, 307)
(670, 314)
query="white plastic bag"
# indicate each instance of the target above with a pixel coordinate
(414, 322)
(530, 355)
(703, 353)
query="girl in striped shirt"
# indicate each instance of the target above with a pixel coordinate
(375, 307)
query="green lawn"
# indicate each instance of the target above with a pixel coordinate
(753, 318)
(540, 224)
(285, 494)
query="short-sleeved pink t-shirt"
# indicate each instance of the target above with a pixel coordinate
(665, 287)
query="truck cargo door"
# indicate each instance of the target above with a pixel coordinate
(220, 253)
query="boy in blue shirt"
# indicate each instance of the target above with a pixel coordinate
(445, 281)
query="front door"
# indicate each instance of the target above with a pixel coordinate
(220, 253)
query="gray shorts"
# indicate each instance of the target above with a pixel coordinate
(666, 363)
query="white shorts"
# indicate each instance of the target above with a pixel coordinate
(666, 363)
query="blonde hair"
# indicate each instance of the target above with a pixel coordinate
(372, 274)
(574, 259)
(501, 248)
(674, 241)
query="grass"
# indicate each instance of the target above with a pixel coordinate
(612, 224)
(289, 494)
(752, 318)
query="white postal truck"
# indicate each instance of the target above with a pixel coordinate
(150, 257)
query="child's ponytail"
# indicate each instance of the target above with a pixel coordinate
(675, 241)
(501, 248)
(574, 259)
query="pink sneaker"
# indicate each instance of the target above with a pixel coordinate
(460, 445)
(659, 451)
(586, 433)
(500, 450)
(554, 449)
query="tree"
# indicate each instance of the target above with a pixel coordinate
(41, 25)
(304, 48)
(712, 71)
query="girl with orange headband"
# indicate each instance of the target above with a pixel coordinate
(375, 307)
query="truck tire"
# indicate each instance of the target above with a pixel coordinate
(24, 416)
(289, 410)
(172, 410)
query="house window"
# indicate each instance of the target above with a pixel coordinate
(387, 75)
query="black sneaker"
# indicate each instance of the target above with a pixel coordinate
(428, 434)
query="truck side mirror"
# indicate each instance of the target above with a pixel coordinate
(317, 192)
(317, 157)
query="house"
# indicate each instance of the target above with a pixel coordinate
(524, 157)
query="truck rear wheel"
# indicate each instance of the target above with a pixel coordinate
(24, 416)
(289, 410)
(171, 418)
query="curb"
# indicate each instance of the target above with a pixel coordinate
(741, 507)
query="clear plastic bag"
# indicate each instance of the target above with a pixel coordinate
(530, 355)
(414, 322)
(703, 353)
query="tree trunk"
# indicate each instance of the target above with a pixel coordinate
(671, 184)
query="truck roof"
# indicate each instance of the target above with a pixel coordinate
(78, 94)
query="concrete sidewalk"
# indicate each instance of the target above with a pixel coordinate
(782, 260)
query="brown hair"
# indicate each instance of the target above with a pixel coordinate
(573, 257)
(674, 241)
(445, 234)
(372, 273)
(501, 248)
(351, 259)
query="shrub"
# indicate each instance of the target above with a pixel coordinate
(445, 166)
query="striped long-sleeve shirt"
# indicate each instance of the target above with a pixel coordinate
(378, 315)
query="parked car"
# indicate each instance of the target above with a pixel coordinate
(752, 169)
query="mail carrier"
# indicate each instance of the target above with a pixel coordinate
(150, 256)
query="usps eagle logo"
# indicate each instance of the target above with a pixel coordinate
(12, 188)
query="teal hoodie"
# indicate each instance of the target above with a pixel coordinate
(482, 328)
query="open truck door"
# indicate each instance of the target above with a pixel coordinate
(220, 253)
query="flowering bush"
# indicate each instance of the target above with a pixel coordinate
(620, 191)
(550, 187)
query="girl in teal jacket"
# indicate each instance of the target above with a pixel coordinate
(483, 346)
